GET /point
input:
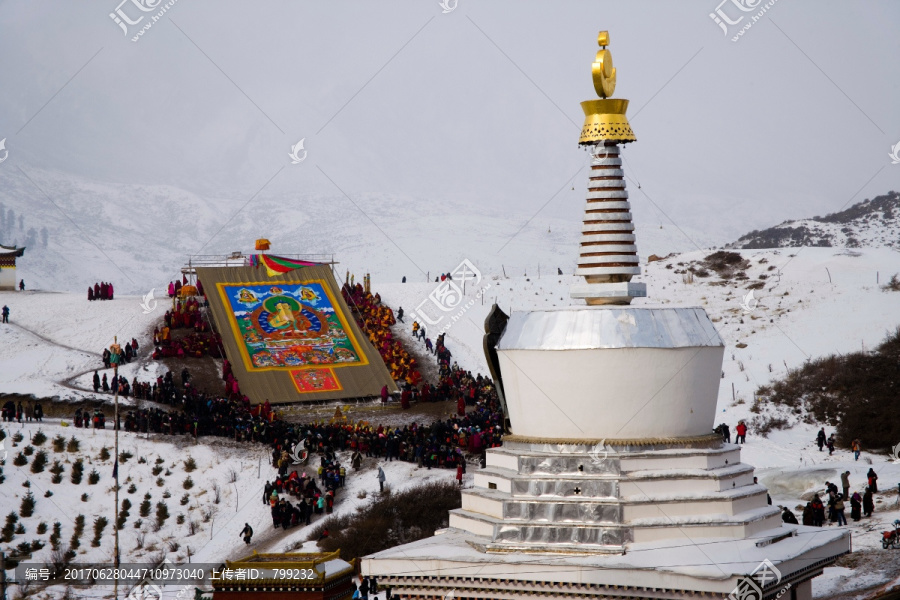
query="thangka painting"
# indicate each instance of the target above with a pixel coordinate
(315, 380)
(289, 325)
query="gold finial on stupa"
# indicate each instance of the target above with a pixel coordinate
(605, 118)
(603, 70)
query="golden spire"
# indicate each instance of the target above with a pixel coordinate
(605, 118)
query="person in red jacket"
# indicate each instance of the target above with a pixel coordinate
(741, 433)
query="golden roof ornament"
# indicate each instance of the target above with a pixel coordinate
(604, 119)
(602, 69)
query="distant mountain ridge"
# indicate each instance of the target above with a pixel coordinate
(871, 223)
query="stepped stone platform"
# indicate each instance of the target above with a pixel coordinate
(578, 520)
(600, 497)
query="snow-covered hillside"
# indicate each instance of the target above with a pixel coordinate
(872, 223)
(139, 236)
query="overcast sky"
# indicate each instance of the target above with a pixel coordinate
(479, 104)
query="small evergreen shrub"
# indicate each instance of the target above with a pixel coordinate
(77, 472)
(39, 462)
(100, 524)
(27, 508)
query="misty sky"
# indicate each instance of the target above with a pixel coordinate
(479, 105)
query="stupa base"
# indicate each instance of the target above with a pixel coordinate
(452, 564)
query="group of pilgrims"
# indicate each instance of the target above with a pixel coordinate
(376, 319)
(100, 291)
(311, 497)
(163, 390)
(129, 352)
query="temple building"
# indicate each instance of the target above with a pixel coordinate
(8, 256)
(290, 576)
(612, 483)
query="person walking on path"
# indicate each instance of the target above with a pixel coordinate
(381, 479)
(5, 314)
(845, 483)
(820, 438)
(247, 533)
(855, 447)
(873, 480)
(830, 444)
(400, 314)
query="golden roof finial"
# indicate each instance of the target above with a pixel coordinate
(605, 118)
(602, 68)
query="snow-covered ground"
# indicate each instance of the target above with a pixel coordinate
(815, 301)
(216, 524)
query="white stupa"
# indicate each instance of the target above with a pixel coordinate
(611, 484)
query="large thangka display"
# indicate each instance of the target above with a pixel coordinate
(288, 325)
(290, 336)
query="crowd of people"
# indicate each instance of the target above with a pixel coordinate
(174, 288)
(185, 314)
(13, 412)
(101, 291)
(129, 352)
(814, 513)
(193, 345)
(376, 319)
(201, 342)
(163, 390)
(86, 419)
(309, 496)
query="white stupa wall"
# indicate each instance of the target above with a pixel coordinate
(622, 393)
(608, 372)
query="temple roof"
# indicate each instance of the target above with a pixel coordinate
(11, 250)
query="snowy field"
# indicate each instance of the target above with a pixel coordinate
(216, 523)
(825, 300)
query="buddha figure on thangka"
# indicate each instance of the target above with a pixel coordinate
(289, 325)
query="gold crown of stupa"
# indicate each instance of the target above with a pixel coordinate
(604, 119)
